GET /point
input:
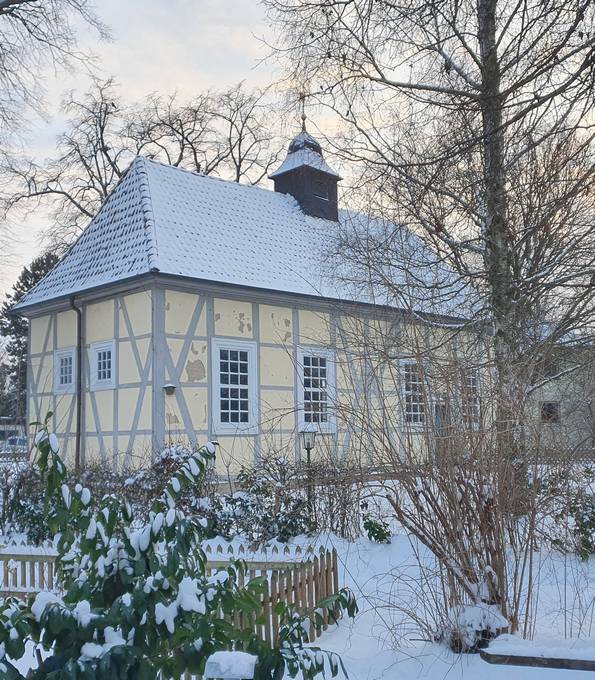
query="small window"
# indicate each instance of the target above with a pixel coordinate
(471, 399)
(102, 365)
(64, 370)
(315, 389)
(550, 412)
(316, 384)
(235, 386)
(413, 394)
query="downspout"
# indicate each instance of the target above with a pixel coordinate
(79, 384)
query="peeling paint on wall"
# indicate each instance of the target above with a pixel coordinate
(243, 325)
(195, 370)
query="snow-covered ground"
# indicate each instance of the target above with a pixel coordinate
(384, 643)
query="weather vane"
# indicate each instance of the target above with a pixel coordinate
(302, 99)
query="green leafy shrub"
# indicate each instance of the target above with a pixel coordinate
(137, 602)
(377, 530)
(268, 505)
(573, 525)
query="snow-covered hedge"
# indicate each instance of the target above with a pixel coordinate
(136, 599)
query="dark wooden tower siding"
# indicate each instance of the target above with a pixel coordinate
(306, 176)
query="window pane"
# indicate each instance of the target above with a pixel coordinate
(65, 371)
(413, 391)
(104, 365)
(550, 411)
(234, 401)
(315, 389)
(471, 399)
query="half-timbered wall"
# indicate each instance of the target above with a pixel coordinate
(47, 334)
(191, 322)
(163, 339)
(117, 422)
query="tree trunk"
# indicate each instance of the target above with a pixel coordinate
(497, 236)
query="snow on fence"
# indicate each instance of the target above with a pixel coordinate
(299, 577)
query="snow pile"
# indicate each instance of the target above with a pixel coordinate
(230, 665)
(474, 624)
(189, 599)
(92, 650)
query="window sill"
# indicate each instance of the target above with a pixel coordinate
(59, 391)
(238, 430)
(99, 386)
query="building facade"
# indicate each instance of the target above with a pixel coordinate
(192, 308)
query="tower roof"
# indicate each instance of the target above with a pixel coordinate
(304, 150)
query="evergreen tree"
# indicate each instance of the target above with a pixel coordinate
(14, 328)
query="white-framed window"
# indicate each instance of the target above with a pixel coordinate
(317, 388)
(64, 370)
(102, 365)
(471, 398)
(235, 386)
(414, 393)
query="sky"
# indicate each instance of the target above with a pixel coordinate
(186, 46)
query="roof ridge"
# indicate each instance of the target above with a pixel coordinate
(148, 215)
(215, 178)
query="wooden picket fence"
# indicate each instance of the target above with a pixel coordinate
(302, 583)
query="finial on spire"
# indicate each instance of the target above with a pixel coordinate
(302, 98)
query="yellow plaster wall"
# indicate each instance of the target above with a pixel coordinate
(100, 321)
(138, 307)
(127, 403)
(179, 308)
(233, 453)
(66, 329)
(65, 406)
(314, 328)
(276, 324)
(91, 450)
(136, 453)
(42, 368)
(105, 410)
(197, 403)
(39, 328)
(46, 404)
(128, 371)
(196, 366)
(276, 367)
(233, 318)
(278, 409)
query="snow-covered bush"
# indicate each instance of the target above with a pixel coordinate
(268, 505)
(135, 600)
(568, 508)
(23, 490)
(471, 627)
(582, 512)
(25, 505)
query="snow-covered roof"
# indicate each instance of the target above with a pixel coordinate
(172, 221)
(304, 150)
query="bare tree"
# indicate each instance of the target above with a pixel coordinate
(215, 133)
(35, 34)
(473, 124)
(220, 133)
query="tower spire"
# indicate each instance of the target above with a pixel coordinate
(302, 99)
